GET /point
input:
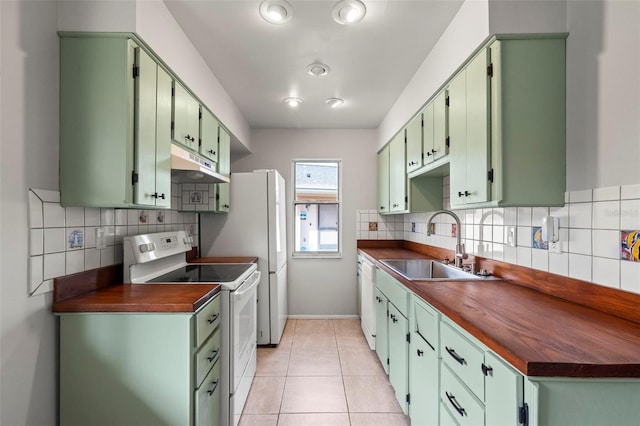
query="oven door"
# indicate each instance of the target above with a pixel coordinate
(243, 323)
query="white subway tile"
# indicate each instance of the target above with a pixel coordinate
(580, 215)
(511, 255)
(540, 259)
(487, 217)
(498, 216)
(121, 216)
(53, 215)
(524, 216)
(107, 256)
(486, 233)
(606, 194)
(630, 276)
(581, 196)
(606, 243)
(91, 216)
(90, 237)
(564, 240)
(580, 267)
(498, 234)
(498, 252)
(524, 256)
(580, 241)
(36, 267)
(54, 265)
(629, 192)
(91, 259)
(54, 240)
(36, 242)
(606, 215)
(511, 216)
(524, 236)
(107, 217)
(606, 272)
(35, 211)
(74, 216)
(120, 233)
(630, 215)
(559, 263)
(74, 262)
(537, 214)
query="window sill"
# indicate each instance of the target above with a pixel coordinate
(316, 255)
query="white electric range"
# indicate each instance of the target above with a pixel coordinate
(161, 258)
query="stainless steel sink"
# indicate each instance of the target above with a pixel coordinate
(426, 269)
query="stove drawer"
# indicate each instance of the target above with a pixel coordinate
(207, 319)
(207, 356)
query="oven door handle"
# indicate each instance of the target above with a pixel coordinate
(249, 284)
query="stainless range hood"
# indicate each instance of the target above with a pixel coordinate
(188, 167)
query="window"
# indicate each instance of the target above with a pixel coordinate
(317, 207)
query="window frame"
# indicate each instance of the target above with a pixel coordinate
(316, 254)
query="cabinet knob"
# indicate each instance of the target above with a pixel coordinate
(428, 154)
(212, 152)
(190, 138)
(381, 207)
(486, 369)
(460, 194)
(433, 151)
(420, 353)
(162, 195)
(226, 206)
(467, 193)
(394, 318)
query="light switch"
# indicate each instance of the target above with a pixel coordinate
(511, 236)
(101, 238)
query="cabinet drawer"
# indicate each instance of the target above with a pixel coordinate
(462, 405)
(207, 356)
(207, 319)
(425, 322)
(207, 399)
(463, 357)
(395, 292)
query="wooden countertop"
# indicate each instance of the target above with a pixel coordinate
(140, 298)
(539, 334)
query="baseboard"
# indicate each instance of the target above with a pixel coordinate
(316, 317)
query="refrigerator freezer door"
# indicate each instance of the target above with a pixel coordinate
(277, 221)
(279, 303)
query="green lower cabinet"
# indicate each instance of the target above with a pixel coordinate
(139, 369)
(382, 329)
(398, 355)
(504, 392)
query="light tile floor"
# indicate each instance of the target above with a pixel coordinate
(322, 374)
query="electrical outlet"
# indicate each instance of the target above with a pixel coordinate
(101, 238)
(511, 236)
(555, 247)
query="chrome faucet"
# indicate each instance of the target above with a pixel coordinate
(460, 253)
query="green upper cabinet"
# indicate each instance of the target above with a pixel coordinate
(414, 143)
(153, 133)
(113, 124)
(469, 133)
(383, 180)
(440, 126)
(209, 135)
(223, 201)
(186, 117)
(224, 167)
(397, 174)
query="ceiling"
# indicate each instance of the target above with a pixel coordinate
(259, 64)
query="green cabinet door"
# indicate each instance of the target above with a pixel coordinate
(504, 392)
(224, 159)
(423, 382)
(428, 133)
(440, 125)
(458, 138)
(209, 135)
(397, 174)
(414, 143)
(186, 121)
(223, 203)
(398, 355)
(382, 329)
(152, 133)
(383, 180)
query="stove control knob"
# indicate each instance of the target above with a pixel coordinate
(147, 247)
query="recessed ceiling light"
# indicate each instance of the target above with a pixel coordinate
(334, 102)
(348, 11)
(276, 11)
(318, 70)
(292, 102)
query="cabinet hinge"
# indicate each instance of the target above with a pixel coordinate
(200, 115)
(523, 415)
(490, 175)
(422, 155)
(134, 177)
(446, 101)
(406, 199)
(217, 197)
(173, 91)
(490, 70)
(408, 398)
(136, 71)
(408, 337)
(199, 142)
(387, 361)
(447, 142)
(173, 125)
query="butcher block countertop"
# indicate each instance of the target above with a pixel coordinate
(102, 290)
(540, 334)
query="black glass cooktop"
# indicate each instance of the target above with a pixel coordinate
(213, 273)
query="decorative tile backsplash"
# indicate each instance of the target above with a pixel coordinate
(198, 197)
(599, 234)
(62, 241)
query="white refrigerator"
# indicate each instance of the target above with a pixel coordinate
(255, 226)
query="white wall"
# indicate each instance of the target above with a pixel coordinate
(320, 286)
(603, 93)
(29, 153)
(153, 22)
